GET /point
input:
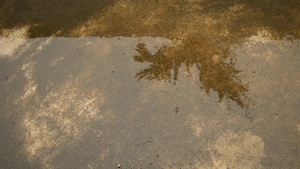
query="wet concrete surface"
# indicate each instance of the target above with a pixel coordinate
(150, 84)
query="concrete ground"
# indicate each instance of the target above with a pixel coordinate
(150, 84)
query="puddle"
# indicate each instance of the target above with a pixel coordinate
(149, 84)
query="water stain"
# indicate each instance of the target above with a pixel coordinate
(214, 72)
(58, 109)
(201, 31)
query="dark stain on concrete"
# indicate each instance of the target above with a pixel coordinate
(65, 103)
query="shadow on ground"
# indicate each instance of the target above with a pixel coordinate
(47, 18)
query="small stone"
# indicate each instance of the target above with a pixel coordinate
(119, 166)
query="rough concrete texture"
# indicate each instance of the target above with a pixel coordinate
(138, 93)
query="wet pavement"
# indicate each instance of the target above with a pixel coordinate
(150, 84)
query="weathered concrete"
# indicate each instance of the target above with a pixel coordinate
(221, 95)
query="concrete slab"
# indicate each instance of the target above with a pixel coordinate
(183, 84)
